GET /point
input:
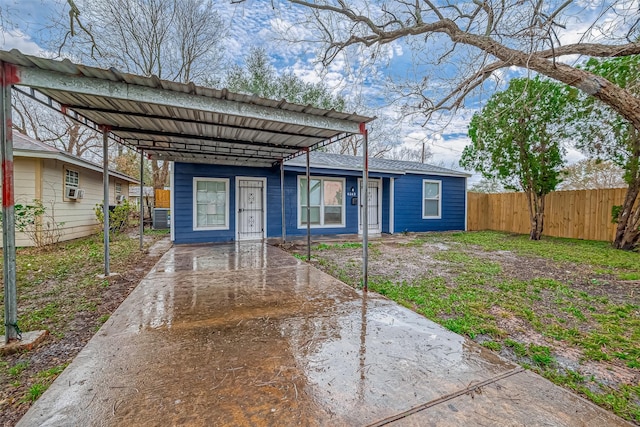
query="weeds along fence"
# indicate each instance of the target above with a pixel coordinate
(580, 214)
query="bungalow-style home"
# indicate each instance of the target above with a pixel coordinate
(214, 203)
(68, 186)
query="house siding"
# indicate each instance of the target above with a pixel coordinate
(183, 200)
(44, 179)
(408, 203)
(78, 215)
(25, 189)
(386, 191)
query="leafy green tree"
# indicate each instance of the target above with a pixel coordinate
(604, 134)
(516, 140)
(259, 77)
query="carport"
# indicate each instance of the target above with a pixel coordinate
(166, 121)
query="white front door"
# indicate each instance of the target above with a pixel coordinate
(373, 205)
(250, 221)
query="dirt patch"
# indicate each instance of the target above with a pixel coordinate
(76, 322)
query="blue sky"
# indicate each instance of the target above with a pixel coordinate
(257, 23)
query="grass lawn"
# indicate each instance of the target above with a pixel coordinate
(566, 309)
(58, 290)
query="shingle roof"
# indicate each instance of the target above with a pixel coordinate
(26, 144)
(23, 142)
(341, 161)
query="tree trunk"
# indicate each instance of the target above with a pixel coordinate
(627, 231)
(536, 215)
(160, 171)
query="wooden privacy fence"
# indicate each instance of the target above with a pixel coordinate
(163, 199)
(580, 214)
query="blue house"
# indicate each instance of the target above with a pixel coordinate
(216, 203)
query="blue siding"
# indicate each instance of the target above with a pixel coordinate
(183, 200)
(407, 201)
(408, 204)
(385, 204)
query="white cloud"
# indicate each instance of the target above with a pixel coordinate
(16, 39)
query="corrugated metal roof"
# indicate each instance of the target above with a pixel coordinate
(25, 145)
(175, 121)
(322, 160)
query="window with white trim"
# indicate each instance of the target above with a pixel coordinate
(71, 178)
(210, 204)
(326, 202)
(431, 198)
(118, 188)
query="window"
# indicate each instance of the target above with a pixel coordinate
(118, 188)
(71, 183)
(211, 204)
(431, 199)
(326, 202)
(72, 178)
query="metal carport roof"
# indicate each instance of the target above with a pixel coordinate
(166, 120)
(177, 121)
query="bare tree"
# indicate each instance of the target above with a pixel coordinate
(476, 39)
(409, 154)
(592, 174)
(488, 186)
(49, 126)
(171, 39)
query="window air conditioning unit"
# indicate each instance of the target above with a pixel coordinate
(73, 193)
(80, 193)
(120, 198)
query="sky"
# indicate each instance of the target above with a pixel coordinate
(264, 23)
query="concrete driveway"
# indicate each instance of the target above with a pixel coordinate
(247, 335)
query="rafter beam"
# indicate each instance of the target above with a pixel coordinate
(187, 121)
(170, 135)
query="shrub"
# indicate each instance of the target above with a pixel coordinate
(118, 216)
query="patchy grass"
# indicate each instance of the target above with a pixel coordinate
(534, 302)
(624, 264)
(59, 290)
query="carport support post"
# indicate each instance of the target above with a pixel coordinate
(308, 208)
(105, 195)
(8, 211)
(284, 225)
(365, 207)
(141, 197)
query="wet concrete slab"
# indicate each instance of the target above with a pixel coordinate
(245, 334)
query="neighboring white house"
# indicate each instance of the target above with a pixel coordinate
(134, 195)
(68, 186)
